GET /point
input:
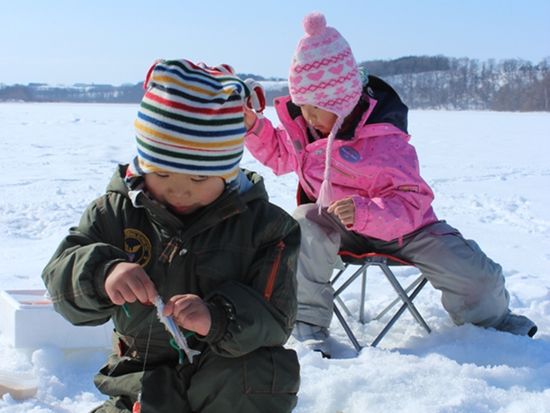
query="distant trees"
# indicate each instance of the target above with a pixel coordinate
(424, 82)
(38, 92)
(427, 82)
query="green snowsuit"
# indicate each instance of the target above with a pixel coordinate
(239, 254)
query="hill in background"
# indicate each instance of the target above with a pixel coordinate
(424, 82)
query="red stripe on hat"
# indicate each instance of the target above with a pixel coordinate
(183, 106)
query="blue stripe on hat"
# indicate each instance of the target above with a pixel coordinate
(179, 92)
(196, 79)
(200, 76)
(192, 132)
(189, 167)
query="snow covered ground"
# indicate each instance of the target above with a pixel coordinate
(491, 175)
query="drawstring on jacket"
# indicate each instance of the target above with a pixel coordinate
(325, 192)
(172, 248)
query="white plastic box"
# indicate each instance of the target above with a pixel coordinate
(28, 320)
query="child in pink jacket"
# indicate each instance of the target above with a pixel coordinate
(360, 189)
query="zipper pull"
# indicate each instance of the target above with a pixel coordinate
(172, 248)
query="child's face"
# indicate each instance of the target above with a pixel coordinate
(320, 119)
(183, 193)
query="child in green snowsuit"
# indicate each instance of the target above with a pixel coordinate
(183, 221)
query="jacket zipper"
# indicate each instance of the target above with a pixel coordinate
(268, 291)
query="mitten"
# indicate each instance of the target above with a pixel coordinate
(256, 101)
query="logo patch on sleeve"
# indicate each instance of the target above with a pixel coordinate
(349, 154)
(137, 246)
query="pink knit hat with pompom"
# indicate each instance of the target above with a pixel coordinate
(324, 73)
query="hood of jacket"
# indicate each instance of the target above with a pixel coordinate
(388, 108)
(229, 203)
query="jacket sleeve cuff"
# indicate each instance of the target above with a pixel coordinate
(220, 321)
(257, 126)
(101, 277)
(361, 213)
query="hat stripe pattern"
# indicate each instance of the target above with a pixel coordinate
(187, 72)
(175, 127)
(196, 167)
(323, 62)
(198, 157)
(163, 139)
(191, 120)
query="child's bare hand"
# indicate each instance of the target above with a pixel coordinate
(249, 117)
(127, 282)
(344, 209)
(190, 312)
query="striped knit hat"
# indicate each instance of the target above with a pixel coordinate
(324, 73)
(190, 120)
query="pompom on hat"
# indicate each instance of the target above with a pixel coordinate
(190, 120)
(323, 73)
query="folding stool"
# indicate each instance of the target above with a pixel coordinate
(383, 261)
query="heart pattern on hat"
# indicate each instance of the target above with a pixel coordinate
(336, 69)
(316, 75)
(331, 81)
(323, 71)
(297, 79)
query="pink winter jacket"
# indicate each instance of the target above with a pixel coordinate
(378, 169)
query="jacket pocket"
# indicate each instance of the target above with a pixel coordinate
(271, 370)
(222, 264)
(442, 229)
(121, 380)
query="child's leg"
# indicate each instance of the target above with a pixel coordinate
(319, 247)
(472, 285)
(264, 381)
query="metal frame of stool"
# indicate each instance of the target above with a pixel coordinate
(382, 261)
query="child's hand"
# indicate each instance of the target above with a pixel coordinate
(127, 282)
(190, 312)
(344, 209)
(249, 117)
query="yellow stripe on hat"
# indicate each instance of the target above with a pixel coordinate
(229, 143)
(171, 80)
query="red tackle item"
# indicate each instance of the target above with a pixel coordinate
(136, 408)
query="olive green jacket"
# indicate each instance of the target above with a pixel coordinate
(239, 254)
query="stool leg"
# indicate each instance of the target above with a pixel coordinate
(343, 305)
(398, 314)
(397, 300)
(363, 294)
(397, 287)
(338, 274)
(349, 281)
(347, 329)
(344, 286)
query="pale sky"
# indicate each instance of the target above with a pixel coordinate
(115, 41)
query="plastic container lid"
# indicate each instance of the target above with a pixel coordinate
(19, 385)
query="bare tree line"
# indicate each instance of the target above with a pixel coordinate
(424, 82)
